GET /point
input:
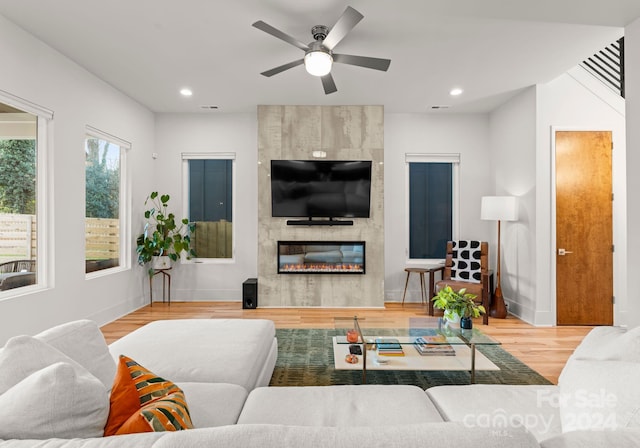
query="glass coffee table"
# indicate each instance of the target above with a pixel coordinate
(422, 343)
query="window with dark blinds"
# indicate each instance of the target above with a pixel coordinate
(430, 209)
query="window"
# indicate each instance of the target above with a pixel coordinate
(105, 240)
(432, 204)
(23, 177)
(209, 188)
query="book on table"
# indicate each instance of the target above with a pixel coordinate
(435, 345)
(389, 347)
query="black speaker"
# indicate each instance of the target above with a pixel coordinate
(250, 294)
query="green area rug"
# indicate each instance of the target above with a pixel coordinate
(305, 358)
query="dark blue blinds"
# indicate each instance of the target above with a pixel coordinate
(210, 189)
(430, 209)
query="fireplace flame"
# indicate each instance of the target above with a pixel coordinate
(321, 267)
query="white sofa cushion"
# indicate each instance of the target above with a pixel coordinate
(365, 405)
(610, 344)
(201, 350)
(621, 438)
(214, 404)
(22, 361)
(598, 395)
(83, 342)
(145, 440)
(24, 355)
(425, 435)
(54, 402)
(484, 405)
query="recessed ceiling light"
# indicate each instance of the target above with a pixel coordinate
(456, 91)
(437, 106)
(209, 107)
(186, 92)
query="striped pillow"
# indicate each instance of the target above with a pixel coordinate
(144, 402)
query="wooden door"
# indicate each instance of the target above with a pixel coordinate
(584, 228)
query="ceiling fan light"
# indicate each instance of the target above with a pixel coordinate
(318, 62)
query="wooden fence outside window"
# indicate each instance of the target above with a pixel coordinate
(18, 238)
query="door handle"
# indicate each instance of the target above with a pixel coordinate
(564, 252)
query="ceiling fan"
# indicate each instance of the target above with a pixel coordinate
(319, 55)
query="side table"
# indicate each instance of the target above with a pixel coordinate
(431, 270)
(165, 276)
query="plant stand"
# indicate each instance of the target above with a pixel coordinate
(165, 276)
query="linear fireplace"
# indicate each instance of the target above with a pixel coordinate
(321, 257)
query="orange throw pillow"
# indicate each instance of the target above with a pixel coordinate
(141, 401)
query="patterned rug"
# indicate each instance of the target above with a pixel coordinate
(305, 358)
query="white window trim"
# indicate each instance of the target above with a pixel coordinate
(186, 156)
(454, 159)
(25, 105)
(97, 133)
(44, 196)
(125, 203)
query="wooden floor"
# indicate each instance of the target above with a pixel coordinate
(544, 349)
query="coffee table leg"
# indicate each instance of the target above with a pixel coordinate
(431, 291)
(364, 363)
(356, 324)
(473, 363)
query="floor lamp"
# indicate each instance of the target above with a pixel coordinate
(498, 208)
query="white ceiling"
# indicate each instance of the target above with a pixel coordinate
(149, 49)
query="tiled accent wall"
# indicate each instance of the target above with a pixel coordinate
(344, 133)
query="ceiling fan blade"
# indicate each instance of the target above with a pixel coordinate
(329, 84)
(362, 61)
(280, 35)
(281, 68)
(349, 18)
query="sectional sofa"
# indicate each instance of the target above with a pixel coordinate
(55, 388)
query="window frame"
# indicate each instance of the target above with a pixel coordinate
(454, 160)
(186, 157)
(124, 206)
(44, 195)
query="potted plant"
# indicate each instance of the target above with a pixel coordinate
(458, 305)
(162, 237)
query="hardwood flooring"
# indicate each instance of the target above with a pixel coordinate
(544, 349)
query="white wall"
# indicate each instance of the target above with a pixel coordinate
(404, 133)
(513, 168)
(35, 72)
(467, 135)
(570, 103)
(632, 69)
(522, 157)
(212, 132)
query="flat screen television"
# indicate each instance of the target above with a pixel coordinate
(320, 188)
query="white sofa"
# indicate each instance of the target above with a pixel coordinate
(595, 404)
(223, 366)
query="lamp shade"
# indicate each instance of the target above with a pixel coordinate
(499, 208)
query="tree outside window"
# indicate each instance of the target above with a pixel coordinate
(19, 221)
(102, 204)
